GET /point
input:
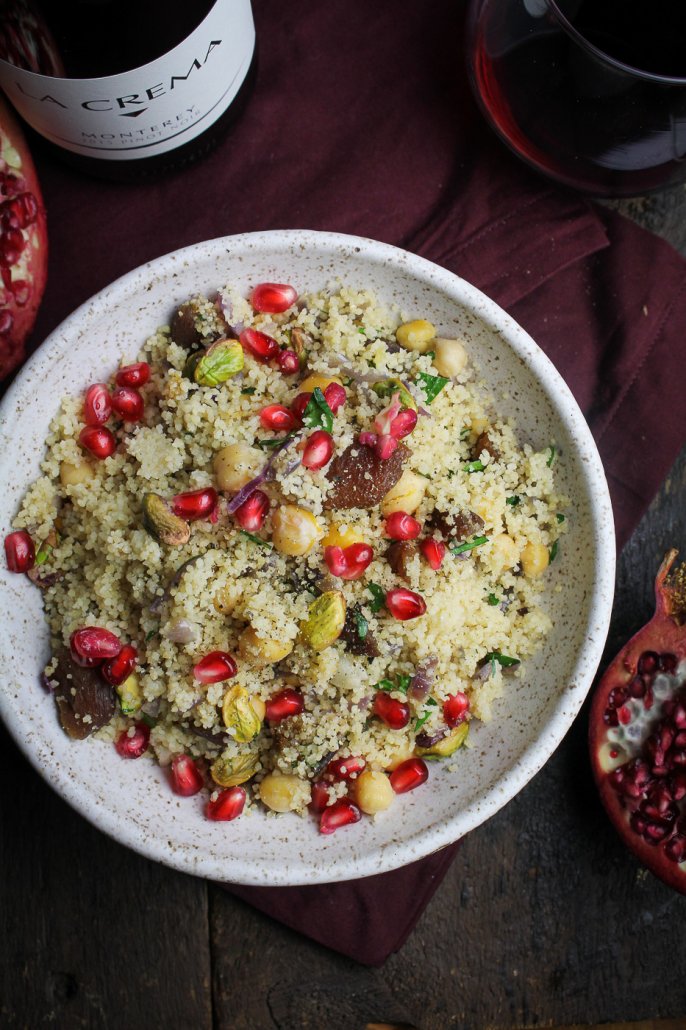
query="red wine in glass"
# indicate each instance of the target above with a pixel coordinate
(590, 92)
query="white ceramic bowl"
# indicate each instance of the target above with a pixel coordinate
(131, 800)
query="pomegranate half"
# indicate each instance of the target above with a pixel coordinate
(637, 734)
(23, 242)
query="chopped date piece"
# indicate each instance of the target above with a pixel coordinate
(398, 556)
(182, 326)
(485, 443)
(84, 701)
(351, 637)
(460, 525)
(361, 479)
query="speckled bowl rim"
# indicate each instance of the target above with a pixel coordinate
(415, 845)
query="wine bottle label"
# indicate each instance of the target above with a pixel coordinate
(149, 110)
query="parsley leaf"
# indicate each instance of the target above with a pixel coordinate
(379, 596)
(318, 414)
(513, 501)
(551, 456)
(431, 385)
(553, 553)
(503, 660)
(256, 539)
(248, 390)
(361, 625)
(474, 466)
(268, 445)
(560, 517)
(493, 600)
(387, 685)
(469, 544)
(464, 433)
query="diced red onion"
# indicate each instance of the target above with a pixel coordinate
(263, 475)
(182, 631)
(423, 678)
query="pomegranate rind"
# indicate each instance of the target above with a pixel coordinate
(33, 265)
(665, 632)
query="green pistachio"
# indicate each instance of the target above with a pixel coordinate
(448, 745)
(387, 387)
(162, 523)
(239, 715)
(325, 620)
(219, 362)
(230, 770)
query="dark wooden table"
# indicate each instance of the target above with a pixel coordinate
(543, 920)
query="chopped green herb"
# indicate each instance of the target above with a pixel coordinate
(421, 720)
(379, 596)
(248, 390)
(256, 539)
(400, 683)
(361, 330)
(493, 600)
(553, 552)
(551, 456)
(318, 414)
(513, 501)
(150, 635)
(404, 683)
(431, 385)
(474, 466)
(148, 720)
(387, 685)
(43, 554)
(469, 544)
(430, 354)
(560, 517)
(502, 659)
(268, 445)
(361, 625)
(464, 433)
(424, 475)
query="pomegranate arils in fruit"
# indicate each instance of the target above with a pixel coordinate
(128, 403)
(345, 768)
(20, 552)
(335, 396)
(227, 805)
(289, 362)
(186, 778)
(94, 642)
(401, 526)
(455, 709)
(137, 374)
(409, 775)
(215, 667)
(132, 743)
(97, 405)
(404, 604)
(262, 347)
(638, 734)
(318, 450)
(252, 513)
(434, 552)
(278, 418)
(341, 813)
(273, 298)
(98, 440)
(116, 670)
(195, 504)
(348, 562)
(284, 704)
(395, 714)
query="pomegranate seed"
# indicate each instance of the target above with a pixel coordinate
(284, 704)
(299, 404)
(227, 805)
(215, 667)
(455, 708)
(133, 745)
(648, 662)
(128, 403)
(394, 713)
(6, 322)
(278, 418)
(94, 642)
(401, 526)
(262, 347)
(385, 446)
(20, 552)
(21, 291)
(317, 450)
(186, 778)
(403, 423)
(116, 670)
(637, 687)
(289, 362)
(668, 663)
(408, 775)
(345, 768)
(195, 504)
(24, 209)
(675, 849)
(11, 246)
(273, 298)
(253, 511)
(137, 374)
(342, 813)
(434, 552)
(348, 562)
(404, 604)
(319, 798)
(335, 396)
(624, 715)
(97, 406)
(98, 440)
(616, 697)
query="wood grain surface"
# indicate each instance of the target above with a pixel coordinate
(544, 920)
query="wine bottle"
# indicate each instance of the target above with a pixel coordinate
(126, 91)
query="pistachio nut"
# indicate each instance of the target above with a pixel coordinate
(230, 770)
(387, 387)
(162, 523)
(300, 343)
(239, 715)
(130, 694)
(448, 745)
(221, 360)
(325, 620)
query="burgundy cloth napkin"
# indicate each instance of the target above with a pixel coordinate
(362, 122)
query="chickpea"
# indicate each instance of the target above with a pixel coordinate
(451, 356)
(535, 559)
(262, 651)
(373, 791)
(72, 473)
(235, 465)
(505, 551)
(404, 752)
(227, 597)
(283, 793)
(315, 380)
(295, 530)
(335, 537)
(479, 425)
(416, 336)
(406, 495)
